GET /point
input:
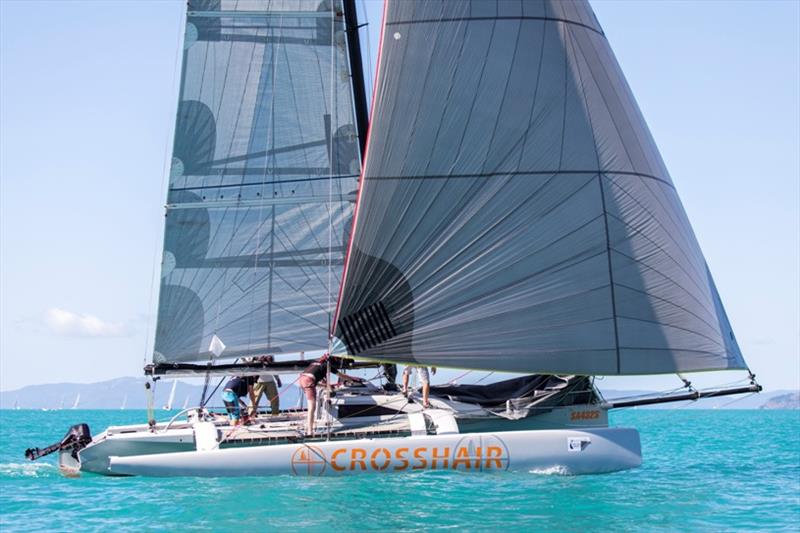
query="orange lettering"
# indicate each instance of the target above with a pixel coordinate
(418, 455)
(462, 457)
(387, 459)
(358, 456)
(334, 455)
(397, 454)
(445, 458)
(493, 454)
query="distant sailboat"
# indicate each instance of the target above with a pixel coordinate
(77, 401)
(171, 400)
(124, 403)
(186, 402)
(61, 405)
(16, 405)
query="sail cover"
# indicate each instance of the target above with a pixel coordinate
(262, 186)
(515, 213)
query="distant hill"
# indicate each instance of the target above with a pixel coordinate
(790, 400)
(111, 395)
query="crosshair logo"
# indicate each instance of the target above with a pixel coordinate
(308, 461)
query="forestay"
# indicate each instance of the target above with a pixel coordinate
(515, 213)
(263, 179)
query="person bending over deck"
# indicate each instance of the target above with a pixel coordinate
(313, 375)
(234, 390)
(267, 384)
(424, 378)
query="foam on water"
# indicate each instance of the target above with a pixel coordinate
(27, 469)
(556, 470)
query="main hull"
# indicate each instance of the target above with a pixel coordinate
(142, 440)
(592, 451)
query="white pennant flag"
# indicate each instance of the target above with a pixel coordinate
(217, 346)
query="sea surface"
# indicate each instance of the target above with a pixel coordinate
(702, 471)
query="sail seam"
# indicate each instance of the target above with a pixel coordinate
(258, 183)
(503, 174)
(504, 17)
(577, 72)
(660, 323)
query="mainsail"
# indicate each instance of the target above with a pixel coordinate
(262, 183)
(515, 213)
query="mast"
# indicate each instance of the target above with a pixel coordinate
(357, 73)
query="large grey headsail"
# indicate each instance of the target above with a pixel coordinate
(264, 174)
(515, 213)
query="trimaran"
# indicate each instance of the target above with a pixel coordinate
(512, 214)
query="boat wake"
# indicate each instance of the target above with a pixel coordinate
(27, 470)
(557, 470)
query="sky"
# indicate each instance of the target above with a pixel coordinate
(88, 94)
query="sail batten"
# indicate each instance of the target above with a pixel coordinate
(515, 213)
(261, 190)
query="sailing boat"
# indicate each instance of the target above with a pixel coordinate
(124, 403)
(77, 401)
(171, 400)
(185, 403)
(512, 214)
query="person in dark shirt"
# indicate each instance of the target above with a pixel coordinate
(313, 375)
(236, 388)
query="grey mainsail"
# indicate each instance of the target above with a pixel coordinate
(515, 213)
(263, 179)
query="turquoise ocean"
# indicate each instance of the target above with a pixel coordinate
(703, 471)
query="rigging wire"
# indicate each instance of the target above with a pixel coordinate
(329, 421)
(369, 51)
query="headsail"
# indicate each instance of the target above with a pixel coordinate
(263, 179)
(515, 213)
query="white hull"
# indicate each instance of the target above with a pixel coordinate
(179, 437)
(560, 451)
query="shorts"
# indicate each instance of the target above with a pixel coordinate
(309, 386)
(231, 402)
(422, 373)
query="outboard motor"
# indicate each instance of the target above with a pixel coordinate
(74, 441)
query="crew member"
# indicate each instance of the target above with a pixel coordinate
(424, 378)
(266, 384)
(236, 388)
(313, 375)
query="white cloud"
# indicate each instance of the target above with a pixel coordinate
(72, 324)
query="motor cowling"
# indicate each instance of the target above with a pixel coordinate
(76, 438)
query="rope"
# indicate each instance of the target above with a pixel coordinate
(454, 381)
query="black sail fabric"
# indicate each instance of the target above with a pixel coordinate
(515, 213)
(263, 179)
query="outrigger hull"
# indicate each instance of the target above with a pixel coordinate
(591, 451)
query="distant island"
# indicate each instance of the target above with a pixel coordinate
(121, 393)
(129, 393)
(790, 400)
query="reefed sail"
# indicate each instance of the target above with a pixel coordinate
(263, 179)
(515, 213)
